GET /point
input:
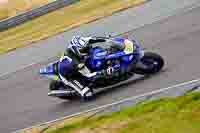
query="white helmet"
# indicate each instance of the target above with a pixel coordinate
(83, 42)
(80, 42)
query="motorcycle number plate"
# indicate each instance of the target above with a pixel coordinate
(129, 48)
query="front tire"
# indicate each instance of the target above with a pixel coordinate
(151, 63)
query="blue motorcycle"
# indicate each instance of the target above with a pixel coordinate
(126, 62)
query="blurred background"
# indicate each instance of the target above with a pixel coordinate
(10, 8)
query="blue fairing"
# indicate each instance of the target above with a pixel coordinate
(97, 59)
(99, 55)
(65, 65)
(47, 70)
(118, 39)
(115, 55)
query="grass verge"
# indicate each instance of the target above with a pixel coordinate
(10, 8)
(167, 115)
(58, 21)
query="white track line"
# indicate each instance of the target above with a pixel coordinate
(112, 104)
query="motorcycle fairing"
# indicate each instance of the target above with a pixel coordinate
(49, 71)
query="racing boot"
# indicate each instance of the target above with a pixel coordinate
(84, 91)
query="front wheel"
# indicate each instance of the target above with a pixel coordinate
(151, 63)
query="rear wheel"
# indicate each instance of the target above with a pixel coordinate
(67, 97)
(151, 63)
(54, 85)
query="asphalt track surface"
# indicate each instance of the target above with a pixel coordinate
(23, 95)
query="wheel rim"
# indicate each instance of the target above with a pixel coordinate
(150, 63)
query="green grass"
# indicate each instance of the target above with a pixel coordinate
(169, 115)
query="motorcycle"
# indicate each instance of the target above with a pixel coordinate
(127, 62)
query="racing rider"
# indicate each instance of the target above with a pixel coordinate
(77, 51)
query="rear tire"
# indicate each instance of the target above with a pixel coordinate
(67, 97)
(54, 85)
(88, 96)
(153, 63)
